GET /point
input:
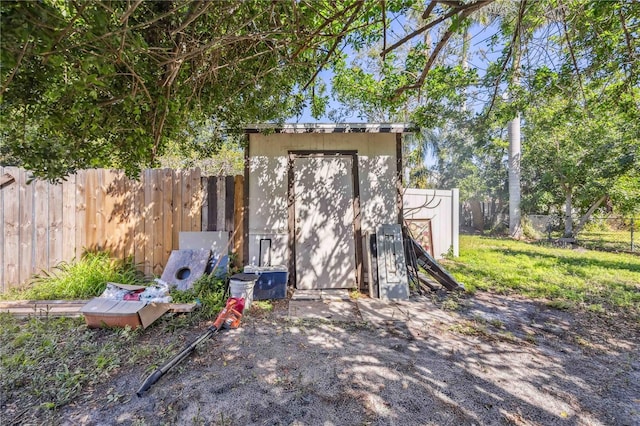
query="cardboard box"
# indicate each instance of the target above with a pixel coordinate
(103, 312)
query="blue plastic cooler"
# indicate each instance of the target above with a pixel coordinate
(272, 281)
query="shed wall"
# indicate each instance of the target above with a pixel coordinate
(268, 173)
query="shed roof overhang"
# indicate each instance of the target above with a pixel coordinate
(332, 128)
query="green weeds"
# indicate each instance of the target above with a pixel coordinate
(208, 290)
(81, 279)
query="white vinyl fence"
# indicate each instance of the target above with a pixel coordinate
(442, 209)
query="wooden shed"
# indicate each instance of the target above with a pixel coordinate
(313, 194)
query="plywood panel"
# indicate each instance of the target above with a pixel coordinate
(56, 242)
(26, 227)
(41, 226)
(11, 224)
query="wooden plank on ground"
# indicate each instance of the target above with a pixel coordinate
(238, 216)
(26, 227)
(40, 303)
(182, 307)
(69, 221)
(11, 231)
(41, 226)
(56, 242)
(228, 204)
(43, 308)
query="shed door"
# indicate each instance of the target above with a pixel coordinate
(324, 231)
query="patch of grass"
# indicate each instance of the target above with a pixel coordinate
(82, 279)
(47, 362)
(614, 240)
(469, 328)
(263, 305)
(565, 277)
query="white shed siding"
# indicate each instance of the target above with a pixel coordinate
(268, 168)
(442, 207)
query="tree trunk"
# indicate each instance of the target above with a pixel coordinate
(515, 229)
(568, 223)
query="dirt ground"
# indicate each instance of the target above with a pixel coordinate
(484, 360)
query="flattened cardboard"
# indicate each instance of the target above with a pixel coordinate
(101, 312)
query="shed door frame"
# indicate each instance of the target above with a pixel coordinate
(357, 229)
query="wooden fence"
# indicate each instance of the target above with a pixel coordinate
(43, 224)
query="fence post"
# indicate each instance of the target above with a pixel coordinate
(632, 226)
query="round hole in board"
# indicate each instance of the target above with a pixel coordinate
(183, 273)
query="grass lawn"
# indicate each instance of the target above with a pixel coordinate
(594, 279)
(608, 240)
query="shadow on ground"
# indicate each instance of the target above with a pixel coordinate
(494, 360)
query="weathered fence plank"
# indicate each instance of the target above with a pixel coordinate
(41, 222)
(26, 227)
(81, 213)
(158, 229)
(196, 202)
(167, 215)
(56, 243)
(212, 204)
(177, 207)
(140, 209)
(238, 232)
(69, 218)
(11, 225)
(229, 203)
